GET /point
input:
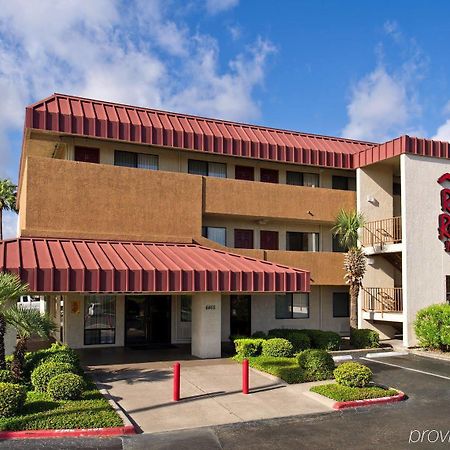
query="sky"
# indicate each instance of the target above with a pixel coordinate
(369, 70)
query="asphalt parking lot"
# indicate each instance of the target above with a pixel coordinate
(397, 425)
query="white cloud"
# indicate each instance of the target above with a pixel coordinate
(217, 6)
(143, 55)
(443, 132)
(383, 104)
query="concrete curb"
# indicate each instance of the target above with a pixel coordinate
(385, 355)
(430, 355)
(370, 401)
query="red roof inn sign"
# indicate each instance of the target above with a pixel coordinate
(444, 217)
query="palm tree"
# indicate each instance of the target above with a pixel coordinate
(11, 288)
(8, 192)
(346, 228)
(27, 322)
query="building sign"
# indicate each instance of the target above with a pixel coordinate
(444, 217)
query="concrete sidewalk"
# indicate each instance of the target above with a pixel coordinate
(210, 391)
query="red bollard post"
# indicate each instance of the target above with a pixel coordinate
(176, 382)
(245, 376)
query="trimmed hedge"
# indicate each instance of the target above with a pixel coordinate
(46, 371)
(353, 374)
(277, 347)
(285, 368)
(12, 399)
(65, 386)
(364, 338)
(432, 327)
(341, 393)
(324, 340)
(6, 376)
(248, 347)
(316, 364)
(299, 340)
(259, 335)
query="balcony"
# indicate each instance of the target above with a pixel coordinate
(256, 200)
(382, 300)
(382, 232)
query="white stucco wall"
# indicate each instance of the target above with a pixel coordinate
(425, 263)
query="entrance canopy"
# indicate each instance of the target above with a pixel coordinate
(74, 265)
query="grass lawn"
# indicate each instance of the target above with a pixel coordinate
(40, 412)
(285, 368)
(344, 393)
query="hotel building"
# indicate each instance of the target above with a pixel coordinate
(147, 227)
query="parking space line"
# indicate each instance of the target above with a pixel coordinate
(407, 368)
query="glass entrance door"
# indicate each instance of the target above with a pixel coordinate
(240, 318)
(147, 319)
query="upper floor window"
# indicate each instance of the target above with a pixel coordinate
(292, 306)
(137, 160)
(244, 173)
(337, 246)
(87, 154)
(302, 179)
(206, 168)
(269, 175)
(396, 188)
(243, 238)
(344, 183)
(269, 240)
(216, 234)
(302, 242)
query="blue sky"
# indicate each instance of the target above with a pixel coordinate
(369, 70)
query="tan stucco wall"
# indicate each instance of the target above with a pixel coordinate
(73, 199)
(249, 199)
(425, 263)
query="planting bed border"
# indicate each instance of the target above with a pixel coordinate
(369, 401)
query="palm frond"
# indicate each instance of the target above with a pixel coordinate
(29, 321)
(11, 288)
(346, 227)
(8, 192)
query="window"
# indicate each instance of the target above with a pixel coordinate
(269, 240)
(269, 175)
(337, 247)
(396, 188)
(292, 306)
(99, 319)
(341, 304)
(186, 308)
(205, 168)
(302, 242)
(244, 173)
(447, 288)
(344, 183)
(243, 238)
(87, 154)
(137, 160)
(216, 234)
(311, 179)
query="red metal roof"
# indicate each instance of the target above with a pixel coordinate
(71, 265)
(87, 117)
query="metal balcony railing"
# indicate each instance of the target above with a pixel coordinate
(380, 232)
(383, 300)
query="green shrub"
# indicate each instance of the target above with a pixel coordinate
(325, 340)
(248, 347)
(46, 371)
(364, 338)
(285, 368)
(6, 376)
(341, 393)
(277, 347)
(65, 386)
(259, 335)
(432, 327)
(353, 374)
(299, 340)
(316, 364)
(62, 357)
(12, 399)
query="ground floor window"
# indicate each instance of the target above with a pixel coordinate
(292, 306)
(186, 308)
(99, 319)
(341, 304)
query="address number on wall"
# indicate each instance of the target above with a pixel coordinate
(210, 307)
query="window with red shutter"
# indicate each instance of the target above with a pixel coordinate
(269, 240)
(87, 154)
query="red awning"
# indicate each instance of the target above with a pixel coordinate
(72, 265)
